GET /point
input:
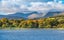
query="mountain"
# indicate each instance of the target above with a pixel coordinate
(9, 17)
(20, 15)
(23, 15)
(53, 13)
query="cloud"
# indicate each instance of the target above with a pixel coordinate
(13, 6)
(39, 6)
(10, 6)
(44, 8)
(2, 13)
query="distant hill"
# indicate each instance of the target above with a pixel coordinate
(20, 15)
(53, 13)
(23, 15)
(17, 15)
(9, 17)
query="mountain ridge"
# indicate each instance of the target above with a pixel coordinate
(20, 15)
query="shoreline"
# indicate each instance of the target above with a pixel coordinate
(31, 28)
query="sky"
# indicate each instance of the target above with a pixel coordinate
(43, 6)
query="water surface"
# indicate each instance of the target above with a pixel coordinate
(32, 34)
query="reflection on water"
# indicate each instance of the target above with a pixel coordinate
(32, 34)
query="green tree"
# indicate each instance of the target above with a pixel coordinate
(40, 23)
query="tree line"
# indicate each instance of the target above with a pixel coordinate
(50, 22)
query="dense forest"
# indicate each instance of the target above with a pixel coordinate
(50, 22)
